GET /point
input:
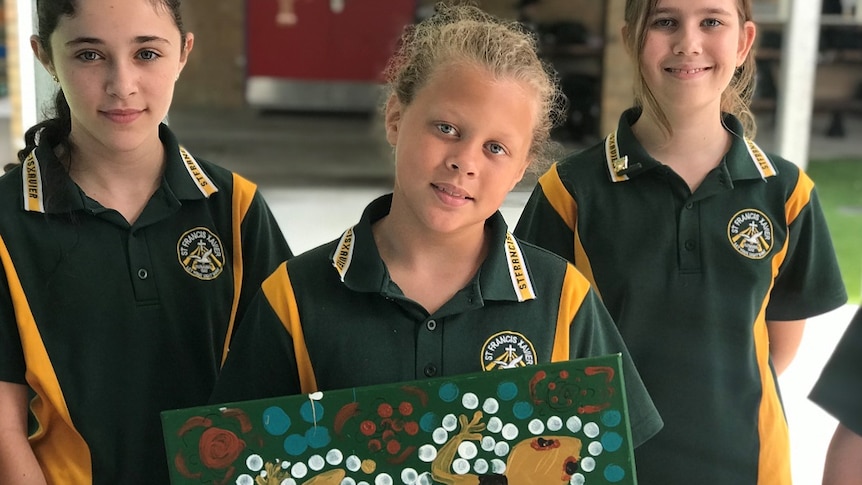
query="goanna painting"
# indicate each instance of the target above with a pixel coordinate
(561, 423)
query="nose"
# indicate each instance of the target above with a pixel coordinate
(463, 156)
(464, 165)
(687, 41)
(121, 81)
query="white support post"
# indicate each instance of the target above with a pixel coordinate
(35, 84)
(798, 71)
(26, 69)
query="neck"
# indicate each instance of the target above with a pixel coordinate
(119, 180)
(690, 131)
(401, 243)
(428, 267)
(697, 143)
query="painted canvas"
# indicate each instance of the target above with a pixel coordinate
(559, 423)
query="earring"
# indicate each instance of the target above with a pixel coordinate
(54, 76)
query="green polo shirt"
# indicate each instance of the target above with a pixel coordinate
(332, 319)
(838, 390)
(691, 279)
(111, 323)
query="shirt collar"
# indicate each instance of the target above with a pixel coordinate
(626, 158)
(503, 275)
(49, 189)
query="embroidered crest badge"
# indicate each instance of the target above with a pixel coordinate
(507, 350)
(750, 233)
(200, 253)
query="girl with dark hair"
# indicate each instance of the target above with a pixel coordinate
(124, 260)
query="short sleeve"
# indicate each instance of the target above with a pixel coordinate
(809, 280)
(594, 333)
(838, 390)
(263, 245)
(261, 361)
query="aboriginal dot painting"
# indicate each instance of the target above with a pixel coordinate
(561, 423)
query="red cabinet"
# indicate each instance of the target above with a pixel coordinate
(330, 59)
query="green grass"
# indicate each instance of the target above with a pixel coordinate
(839, 186)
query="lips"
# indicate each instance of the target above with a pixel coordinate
(689, 71)
(124, 115)
(452, 191)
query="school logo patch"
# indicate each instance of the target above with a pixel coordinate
(750, 233)
(200, 253)
(507, 350)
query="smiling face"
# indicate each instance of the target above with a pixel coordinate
(117, 62)
(692, 49)
(461, 145)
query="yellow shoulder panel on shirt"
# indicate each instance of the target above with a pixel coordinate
(773, 461)
(56, 441)
(575, 288)
(582, 262)
(800, 197)
(559, 198)
(243, 195)
(279, 294)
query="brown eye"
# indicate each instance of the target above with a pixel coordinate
(88, 56)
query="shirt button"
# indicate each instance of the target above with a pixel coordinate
(689, 205)
(431, 325)
(430, 370)
(690, 245)
(142, 274)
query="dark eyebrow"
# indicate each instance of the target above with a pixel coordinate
(141, 39)
(705, 11)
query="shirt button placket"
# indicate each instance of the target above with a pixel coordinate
(429, 349)
(689, 239)
(140, 265)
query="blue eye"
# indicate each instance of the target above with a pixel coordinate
(447, 129)
(711, 23)
(496, 149)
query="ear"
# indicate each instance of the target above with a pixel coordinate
(624, 32)
(42, 55)
(392, 119)
(746, 40)
(520, 175)
(184, 53)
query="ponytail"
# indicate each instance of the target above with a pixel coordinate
(52, 132)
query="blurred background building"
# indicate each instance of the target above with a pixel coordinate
(326, 56)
